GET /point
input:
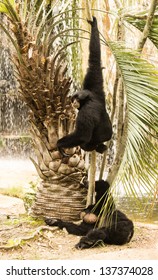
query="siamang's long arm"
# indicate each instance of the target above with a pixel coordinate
(71, 228)
(94, 79)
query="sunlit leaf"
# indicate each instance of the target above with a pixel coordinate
(5, 6)
(140, 79)
(139, 20)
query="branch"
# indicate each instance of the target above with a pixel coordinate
(148, 25)
(103, 162)
(88, 9)
(135, 16)
(119, 151)
(91, 186)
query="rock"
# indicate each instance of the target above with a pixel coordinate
(11, 206)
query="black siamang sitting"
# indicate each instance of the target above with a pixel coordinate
(117, 228)
(93, 125)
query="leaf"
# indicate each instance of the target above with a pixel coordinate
(3, 9)
(140, 79)
(13, 242)
(5, 4)
(139, 20)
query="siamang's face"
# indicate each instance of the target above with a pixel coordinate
(80, 98)
(75, 101)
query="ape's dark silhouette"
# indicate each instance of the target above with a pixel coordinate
(117, 228)
(93, 125)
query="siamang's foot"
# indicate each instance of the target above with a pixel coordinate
(84, 243)
(54, 222)
(92, 239)
(92, 22)
(50, 222)
(101, 148)
(63, 152)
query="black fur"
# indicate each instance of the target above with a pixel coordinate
(93, 125)
(119, 230)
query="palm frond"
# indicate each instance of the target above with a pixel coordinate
(139, 21)
(140, 80)
(9, 7)
(12, 39)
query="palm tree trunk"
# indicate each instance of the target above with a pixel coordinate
(59, 199)
(60, 194)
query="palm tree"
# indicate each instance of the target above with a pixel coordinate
(41, 70)
(132, 155)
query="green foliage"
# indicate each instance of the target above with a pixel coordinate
(139, 21)
(13, 242)
(1, 143)
(6, 5)
(15, 191)
(29, 196)
(34, 222)
(24, 139)
(140, 80)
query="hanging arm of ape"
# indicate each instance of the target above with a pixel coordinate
(93, 126)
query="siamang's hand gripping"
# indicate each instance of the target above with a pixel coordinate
(92, 22)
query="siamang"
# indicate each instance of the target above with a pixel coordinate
(117, 228)
(93, 125)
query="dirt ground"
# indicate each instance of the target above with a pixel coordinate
(36, 242)
(25, 239)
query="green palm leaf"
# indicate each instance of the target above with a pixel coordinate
(140, 80)
(139, 22)
(7, 6)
